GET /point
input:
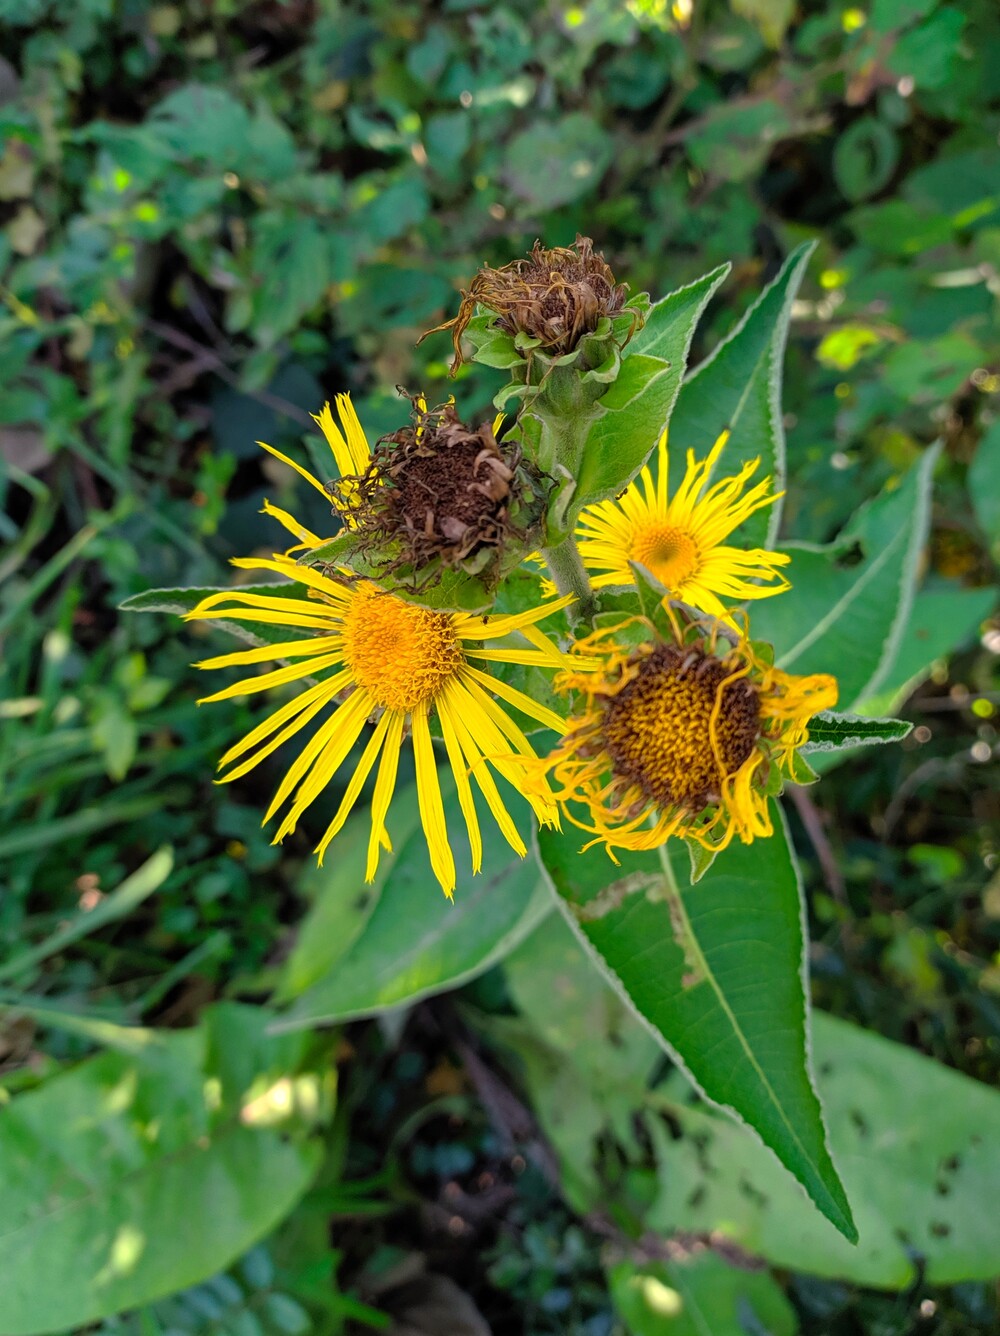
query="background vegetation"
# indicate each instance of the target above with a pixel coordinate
(213, 216)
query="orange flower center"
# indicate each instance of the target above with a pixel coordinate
(668, 552)
(401, 654)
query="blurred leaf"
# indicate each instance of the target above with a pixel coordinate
(623, 437)
(864, 582)
(984, 484)
(864, 158)
(99, 1158)
(770, 17)
(735, 140)
(699, 1295)
(552, 163)
(920, 1184)
(416, 942)
(930, 53)
(716, 972)
(739, 387)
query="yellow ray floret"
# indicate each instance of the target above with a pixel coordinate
(375, 656)
(351, 453)
(683, 736)
(680, 539)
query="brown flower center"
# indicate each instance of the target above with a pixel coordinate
(657, 730)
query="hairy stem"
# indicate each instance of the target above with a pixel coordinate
(567, 571)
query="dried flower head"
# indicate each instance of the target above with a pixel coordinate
(555, 295)
(436, 489)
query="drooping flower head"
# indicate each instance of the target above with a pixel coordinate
(685, 734)
(554, 296)
(681, 538)
(374, 656)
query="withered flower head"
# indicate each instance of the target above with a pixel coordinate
(434, 489)
(555, 295)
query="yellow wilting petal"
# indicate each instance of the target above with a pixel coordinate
(384, 786)
(460, 770)
(357, 442)
(335, 738)
(278, 678)
(431, 807)
(480, 773)
(355, 786)
(305, 536)
(300, 711)
(534, 709)
(303, 473)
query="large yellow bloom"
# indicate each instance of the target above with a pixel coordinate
(372, 654)
(680, 538)
(351, 453)
(681, 736)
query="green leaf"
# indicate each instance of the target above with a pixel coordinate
(699, 1295)
(849, 602)
(941, 621)
(416, 942)
(716, 972)
(984, 485)
(922, 1184)
(640, 401)
(830, 731)
(739, 387)
(99, 1160)
(864, 158)
(180, 601)
(554, 162)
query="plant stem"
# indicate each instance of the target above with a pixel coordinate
(567, 571)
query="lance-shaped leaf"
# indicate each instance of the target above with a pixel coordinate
(716, 972)
(831, 731)
(849, 602)
(637, 406)
(739, 387)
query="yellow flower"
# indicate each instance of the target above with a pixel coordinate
(680, 539)
(682, 736)
(374, 655)
(351, 453)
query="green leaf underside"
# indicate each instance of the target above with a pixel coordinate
(739, 387)
(849, 602)
(716, 972)
(922, 1187)
(642, 398)
(415, 942)
(92, 1172)
(830, 731)
(180, 601)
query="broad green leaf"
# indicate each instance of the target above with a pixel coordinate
(554, 162)
(919, 1148)
(641, 400)
(984, 485)
(849, 602)
(941, 621)
(132, 1176)
(180, 601)
(699, 1295)
(831, 731)
(416, 941)
(739, 387)
(716, 972)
